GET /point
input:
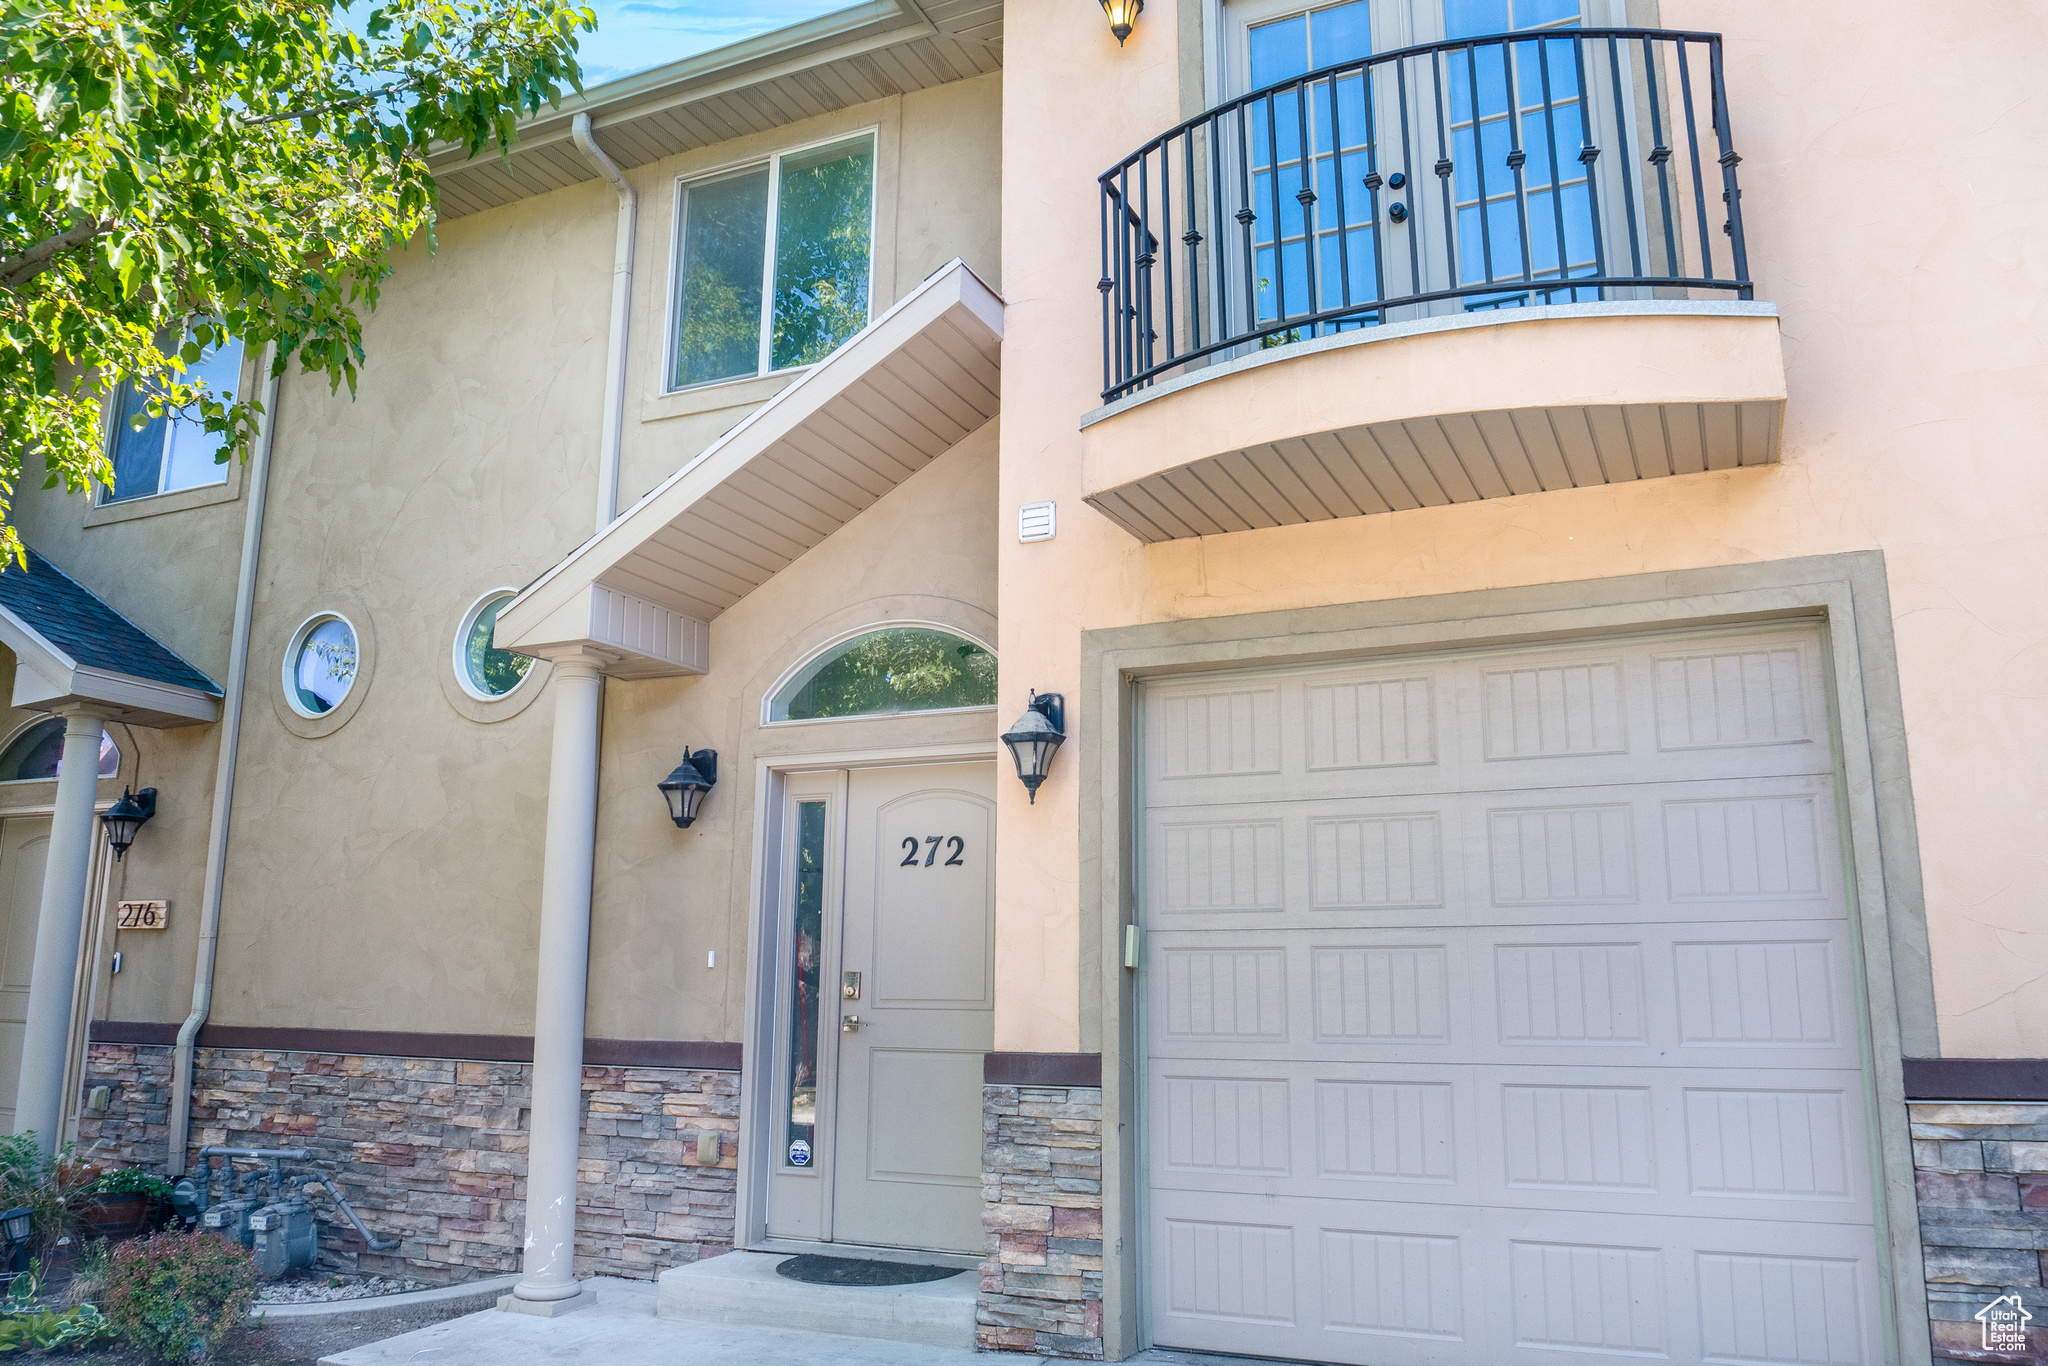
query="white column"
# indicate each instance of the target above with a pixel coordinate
(549, 1269)
(46, 1044)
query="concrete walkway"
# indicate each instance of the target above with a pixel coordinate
(621, 1330)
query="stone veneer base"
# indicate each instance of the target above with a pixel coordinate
(433, 1150)
(1981, 1170)
(1041, 1187)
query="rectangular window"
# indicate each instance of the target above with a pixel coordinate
(173, 451)
(773, 263)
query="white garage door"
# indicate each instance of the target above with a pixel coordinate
(1499, 1007)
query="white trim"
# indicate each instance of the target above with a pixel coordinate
(789, 674)
(683, 184)
(7, 743)
(460, 650)
(288, 673)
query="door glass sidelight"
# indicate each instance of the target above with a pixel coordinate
(807, 961)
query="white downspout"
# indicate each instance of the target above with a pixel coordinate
(223, 788)
(622, 316)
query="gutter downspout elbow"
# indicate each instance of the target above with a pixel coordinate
(622, 313)
(180, 1129)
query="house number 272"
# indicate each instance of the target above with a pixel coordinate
(930, 850)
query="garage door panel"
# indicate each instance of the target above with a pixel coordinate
(1501, 1007)
(1626, 1141)
(1735, 707)
(1393, 1283)
(1748, 994)
(1619, 852)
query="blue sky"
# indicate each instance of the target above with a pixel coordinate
(634, 35)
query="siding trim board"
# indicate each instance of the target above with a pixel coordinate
(1041, 1069)
(1985, 1079)
(700, 1055)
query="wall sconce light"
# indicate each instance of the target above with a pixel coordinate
(1123, 17)
(685, 788)
(1036, 737)
(127, 816)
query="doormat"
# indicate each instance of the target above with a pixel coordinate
(815, 1270)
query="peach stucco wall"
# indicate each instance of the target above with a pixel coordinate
(1895, 215)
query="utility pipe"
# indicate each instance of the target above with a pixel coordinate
(622, 315)
(223, 788)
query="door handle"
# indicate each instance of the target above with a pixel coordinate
(849, 1023)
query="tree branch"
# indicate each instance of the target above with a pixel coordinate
(19, 270)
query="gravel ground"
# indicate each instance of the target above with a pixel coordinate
(297, 1342)
(318, 1287)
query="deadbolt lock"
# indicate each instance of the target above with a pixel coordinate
(850, 986)
(848, 1023)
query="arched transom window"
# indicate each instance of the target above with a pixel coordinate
(893, 669)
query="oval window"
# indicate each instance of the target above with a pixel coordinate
(485, 671)
(320, 666)
(895, 669)
(38, 752)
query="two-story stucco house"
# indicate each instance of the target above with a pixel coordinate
(1357, 682)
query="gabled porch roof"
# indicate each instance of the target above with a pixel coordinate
(70, 647)
(643, 591)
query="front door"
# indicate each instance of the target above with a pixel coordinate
(887, 907)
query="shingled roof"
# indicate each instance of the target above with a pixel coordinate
(56, 607)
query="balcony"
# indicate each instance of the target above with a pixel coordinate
(1473, 269)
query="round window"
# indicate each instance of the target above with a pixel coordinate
(485, 671)
(320, 666)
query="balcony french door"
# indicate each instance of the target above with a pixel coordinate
(1492, 138)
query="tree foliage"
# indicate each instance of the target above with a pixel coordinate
(243, 166)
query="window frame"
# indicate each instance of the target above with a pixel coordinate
(295, 646)
(811, 656)
(7, 742)
(460, 652)
(764, 353)
(110, 422)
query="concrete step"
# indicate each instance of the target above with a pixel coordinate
(741, 1288)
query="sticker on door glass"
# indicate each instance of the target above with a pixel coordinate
(799, 1153)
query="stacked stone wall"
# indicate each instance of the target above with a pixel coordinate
(433, 1151)
(1981, 1170)
(1041, 1180)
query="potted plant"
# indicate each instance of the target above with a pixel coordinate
(122, 1203)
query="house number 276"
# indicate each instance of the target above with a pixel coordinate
(930, 849)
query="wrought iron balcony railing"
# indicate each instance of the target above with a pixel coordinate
(1482, 173)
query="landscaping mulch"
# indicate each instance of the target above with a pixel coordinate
(293, 1342)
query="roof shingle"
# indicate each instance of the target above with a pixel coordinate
(55, 606)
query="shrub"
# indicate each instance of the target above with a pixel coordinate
(176, 1295)
(51, 1186)
(54, 1330)
(132, 1181)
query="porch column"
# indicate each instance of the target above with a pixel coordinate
(46, 1044)
(548, 1283)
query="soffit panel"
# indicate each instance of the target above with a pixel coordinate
(908, 388)
(883, 50)
(1436, 461)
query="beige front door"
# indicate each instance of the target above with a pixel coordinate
(24, 848)
(887, 1008)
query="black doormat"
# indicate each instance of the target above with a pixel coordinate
(815, 1270)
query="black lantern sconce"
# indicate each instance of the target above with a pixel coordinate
(1036, 737)
(1123, 17)
(127, 816)
(685, 788)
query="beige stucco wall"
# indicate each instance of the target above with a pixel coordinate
(1915, 354)
(385, 874)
